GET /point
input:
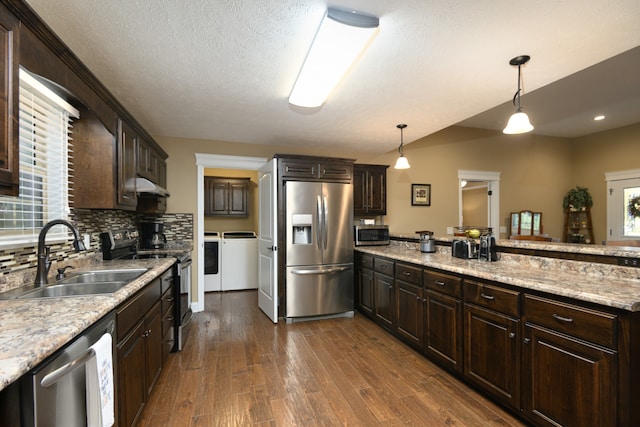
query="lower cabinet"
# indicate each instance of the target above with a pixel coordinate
(556, 363)
(383, 292)
(364, 284)
(139, 342)
(491, 340)
(409, 304)
(443, 318)
(570, 371)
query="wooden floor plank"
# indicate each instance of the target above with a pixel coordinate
(239, 369)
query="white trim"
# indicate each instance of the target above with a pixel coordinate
(620, 175)
(213, 161)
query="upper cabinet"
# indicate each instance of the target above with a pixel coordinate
(9, 49)
(309, 168)
(369, 189)
(151, 165)
(104, 165)
(226, 196)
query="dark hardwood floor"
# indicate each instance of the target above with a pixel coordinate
(239, 369)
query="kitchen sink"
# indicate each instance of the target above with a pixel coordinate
(92, 282)
(73, 289)
(99, 276)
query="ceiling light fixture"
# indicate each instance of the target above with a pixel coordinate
(598, 118)
(519, 121)
(402, 162)
(341, 38)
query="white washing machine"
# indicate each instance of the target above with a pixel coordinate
(239, 265)
(212, 262)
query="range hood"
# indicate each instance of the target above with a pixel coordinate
(144, 187)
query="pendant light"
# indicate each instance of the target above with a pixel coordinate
(519, 121)
(402, 162)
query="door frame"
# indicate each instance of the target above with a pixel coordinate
(204, 161)
(493, 205)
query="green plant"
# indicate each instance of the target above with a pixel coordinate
(577, 198)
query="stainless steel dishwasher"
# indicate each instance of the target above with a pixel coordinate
(53, 394)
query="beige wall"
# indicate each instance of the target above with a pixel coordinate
(250, 223)
(595, 154)
(474, 207)
(535, 170)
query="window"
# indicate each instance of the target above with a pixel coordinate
(45, 124)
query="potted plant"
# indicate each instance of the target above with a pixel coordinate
(577, 198)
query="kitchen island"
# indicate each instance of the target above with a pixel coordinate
(34, 329)
(551, 338)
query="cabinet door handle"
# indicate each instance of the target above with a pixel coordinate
(487, 297)
(440, 283)
(562, 319)
(527, 340)
(406, 273)
(383, 266)
(512, 335)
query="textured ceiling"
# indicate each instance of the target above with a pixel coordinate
(223, 69)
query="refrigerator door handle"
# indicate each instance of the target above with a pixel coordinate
(319, 222)
(325, 222)
(309, 271)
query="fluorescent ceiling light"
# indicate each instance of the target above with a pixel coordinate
(341, 38)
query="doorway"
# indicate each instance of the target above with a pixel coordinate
(491, 184)
(204, 161)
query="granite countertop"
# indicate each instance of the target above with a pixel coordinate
(33, 329)
(170, 249)
(611, 286)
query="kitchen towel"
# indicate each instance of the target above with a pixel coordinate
(99, 378)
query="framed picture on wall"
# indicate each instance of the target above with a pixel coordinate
(420, 194)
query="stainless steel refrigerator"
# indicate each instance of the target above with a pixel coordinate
(319, 256)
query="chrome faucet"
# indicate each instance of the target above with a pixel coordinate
(44, 263)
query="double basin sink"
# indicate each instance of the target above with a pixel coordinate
(85, 283)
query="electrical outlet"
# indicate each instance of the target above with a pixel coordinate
(449, 230)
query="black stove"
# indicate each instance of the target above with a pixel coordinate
(124, 244)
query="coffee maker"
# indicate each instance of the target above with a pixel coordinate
(152, 235)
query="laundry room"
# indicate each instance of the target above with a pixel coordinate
(231, 226)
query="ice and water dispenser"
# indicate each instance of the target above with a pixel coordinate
(302, 224)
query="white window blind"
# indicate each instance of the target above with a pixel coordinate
(45, 128)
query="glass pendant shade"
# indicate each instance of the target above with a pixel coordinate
(518, 123)
(402, 163)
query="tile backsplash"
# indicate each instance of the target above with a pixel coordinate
(178, 227)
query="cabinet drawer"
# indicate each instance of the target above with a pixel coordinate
(445, 283)
(383, 266)
(493, 297)
(133, 310)
(409, 273)
(337, 172)
(595, 326)
(167, 301)
(366, 261)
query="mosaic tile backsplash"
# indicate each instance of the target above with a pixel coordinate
(178, 227)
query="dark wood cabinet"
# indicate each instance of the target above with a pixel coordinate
(409, 303)
(226, 196)
(139, 342)
(127, 150)
(309, 168)
(131, 376)
(443, 319)
(104, 165)
(491, 340)
(369, 189)
(384, 292)
(167, 302)
(364, 283)
(151, 165)
(9, 103)
(578, 227)
(569, 366)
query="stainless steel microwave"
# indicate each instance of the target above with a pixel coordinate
(371, 235)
